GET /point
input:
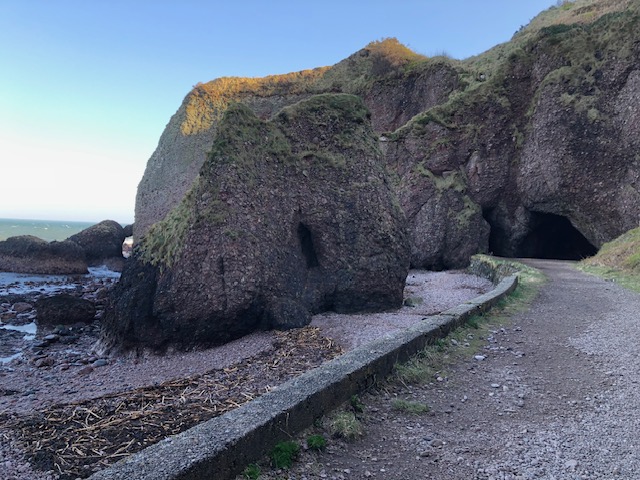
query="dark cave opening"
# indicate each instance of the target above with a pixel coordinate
(553, 236)
(306, 242)
(550, 236)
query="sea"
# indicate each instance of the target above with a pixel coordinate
(48, 230)
(25, 283)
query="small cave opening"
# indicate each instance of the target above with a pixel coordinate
(498, 237)
(306, 243)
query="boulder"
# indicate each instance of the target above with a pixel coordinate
(29, 254)
(64, 309)
(287, 218)
(101, 241)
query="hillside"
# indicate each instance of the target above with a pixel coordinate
(618, 260)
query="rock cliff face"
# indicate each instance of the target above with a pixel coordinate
(377, 74)
(531, 149)
(287, 217)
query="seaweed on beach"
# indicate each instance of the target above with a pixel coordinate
(74, 440)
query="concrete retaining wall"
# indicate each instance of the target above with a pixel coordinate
(221, 447)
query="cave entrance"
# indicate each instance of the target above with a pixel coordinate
(553, 236)
(550, 236)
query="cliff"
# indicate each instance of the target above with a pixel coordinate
(530, 149)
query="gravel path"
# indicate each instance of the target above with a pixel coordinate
(556, 397)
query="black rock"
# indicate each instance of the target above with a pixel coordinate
(64, 309)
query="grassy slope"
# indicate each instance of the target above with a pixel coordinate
(576, 30)
(207, 102)
(579, 12)
(618, 260)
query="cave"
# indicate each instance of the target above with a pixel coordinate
(553, 236)
(550, 236)
(306, 243)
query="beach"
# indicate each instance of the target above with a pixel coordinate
(53, 372)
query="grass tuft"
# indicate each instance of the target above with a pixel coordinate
(409, 406)
(316, 442)
(284, 454)
(618, 260)
(345, 425)
(251, 472)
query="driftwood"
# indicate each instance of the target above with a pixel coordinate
(76, 439)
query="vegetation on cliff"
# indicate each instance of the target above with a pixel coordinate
(567, 13)
(207, 102)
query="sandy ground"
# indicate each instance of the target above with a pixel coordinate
(68, 370)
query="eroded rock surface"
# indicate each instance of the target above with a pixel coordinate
(287, 218)
(64, 309)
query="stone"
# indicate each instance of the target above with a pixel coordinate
(571, 464)
(22, 307)
(43, 362)
(64, 309)
(280, 231)
(29, 254)
(101, 362)
(127, 231)
(62, 330)
(413, 301)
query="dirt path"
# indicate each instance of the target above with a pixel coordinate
(557, 397)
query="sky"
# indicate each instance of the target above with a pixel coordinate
(87, 87)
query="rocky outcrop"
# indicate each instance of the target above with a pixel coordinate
(29, 254)
(530, 149)
(541, 134)
(287, 218)
(379, 74)
(100, 242)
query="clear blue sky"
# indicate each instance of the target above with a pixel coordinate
(87, 86)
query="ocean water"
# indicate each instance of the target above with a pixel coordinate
(48, 230)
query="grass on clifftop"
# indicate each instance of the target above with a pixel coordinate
(618, 260)
(567, 12)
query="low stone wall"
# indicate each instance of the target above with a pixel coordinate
(221, 447)
(491, 268)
